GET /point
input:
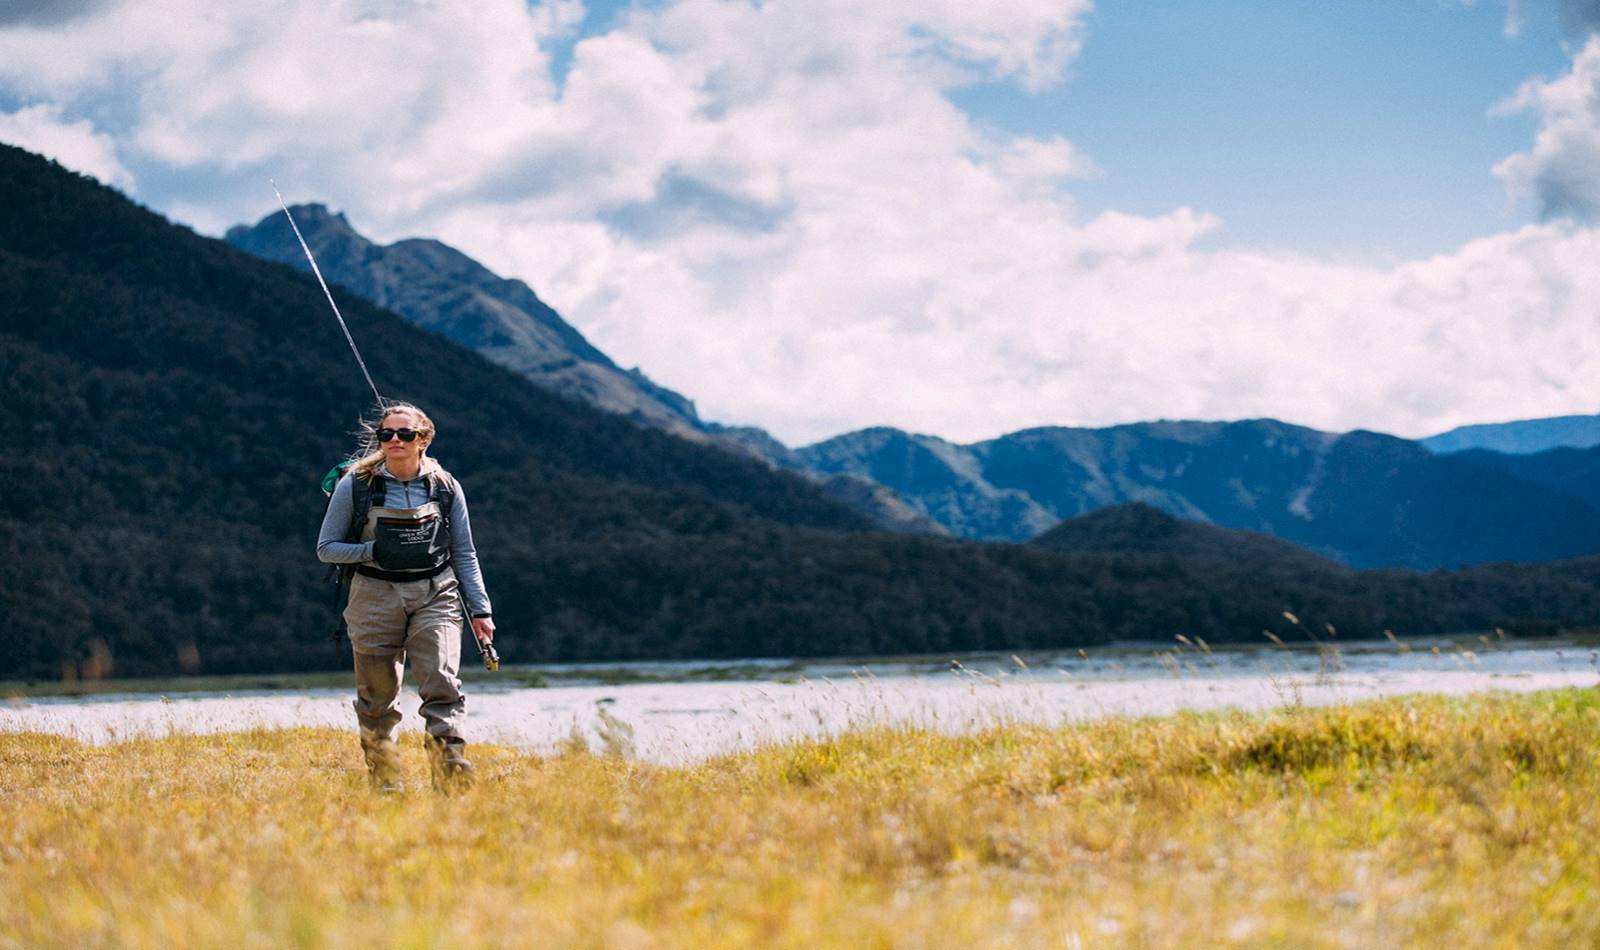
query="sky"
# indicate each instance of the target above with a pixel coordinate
(953, 218)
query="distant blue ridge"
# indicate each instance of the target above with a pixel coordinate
(1520, 438)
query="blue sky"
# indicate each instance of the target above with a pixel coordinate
(1360, 128)
(955, 218)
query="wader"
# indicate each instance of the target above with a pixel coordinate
(411, 607)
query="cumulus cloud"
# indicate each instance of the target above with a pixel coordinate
(1562, 170)
(75, 145)
(776, 209)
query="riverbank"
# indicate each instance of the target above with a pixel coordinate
(1466, 821)
(1098, 660)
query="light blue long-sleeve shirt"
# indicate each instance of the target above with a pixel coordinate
(332, 548)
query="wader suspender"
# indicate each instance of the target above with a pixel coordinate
(366, 495)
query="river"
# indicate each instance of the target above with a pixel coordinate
(672, 712)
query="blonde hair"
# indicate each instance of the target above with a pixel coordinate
(369, 454)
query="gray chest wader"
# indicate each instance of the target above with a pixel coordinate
(405, 608)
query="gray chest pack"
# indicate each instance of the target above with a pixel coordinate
(408, 543)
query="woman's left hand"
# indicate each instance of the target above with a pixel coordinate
(483, 628)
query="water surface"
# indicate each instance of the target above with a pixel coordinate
(669, 712)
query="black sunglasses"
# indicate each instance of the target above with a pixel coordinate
(406, 435)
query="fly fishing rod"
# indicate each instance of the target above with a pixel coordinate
(327, 293)
(490, 656)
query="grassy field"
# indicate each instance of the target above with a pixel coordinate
(1417, 822)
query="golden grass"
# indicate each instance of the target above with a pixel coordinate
(1415, 822)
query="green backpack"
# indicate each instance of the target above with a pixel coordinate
(330, 481)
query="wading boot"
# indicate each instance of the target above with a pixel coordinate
(383, 762)
(447, 761)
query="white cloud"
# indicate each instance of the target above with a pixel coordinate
(775, 209)
(76, 145)
(1024, 159)
(1562, 170)
(387, 106)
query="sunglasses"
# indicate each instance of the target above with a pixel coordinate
(406, 435)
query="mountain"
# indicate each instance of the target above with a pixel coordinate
(1257, 475)
(1362, 498)
(1382, 500)
(943, 480)
(1575, 472)
(1136, 527)
(441, 289)
(886, 509)
(171, 403)
(1520, 438)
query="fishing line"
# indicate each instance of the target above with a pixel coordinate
(318, 271)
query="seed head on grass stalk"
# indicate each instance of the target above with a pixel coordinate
(1294, 620)
(1171, 664)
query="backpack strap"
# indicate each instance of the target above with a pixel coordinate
(442, 489)
(365, 494)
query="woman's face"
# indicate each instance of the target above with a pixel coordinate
(395, 449)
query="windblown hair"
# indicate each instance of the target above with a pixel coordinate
(369, 454)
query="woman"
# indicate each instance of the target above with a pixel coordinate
(400, 520)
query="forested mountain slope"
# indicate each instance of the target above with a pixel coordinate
(1136, 527)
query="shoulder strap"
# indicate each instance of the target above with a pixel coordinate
(365, 495)
(443, 490)
(362, 495)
